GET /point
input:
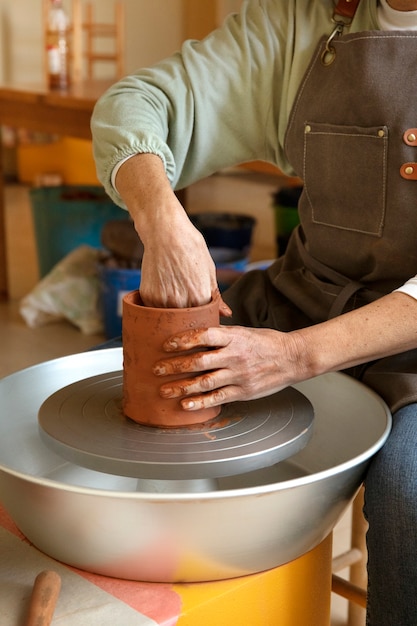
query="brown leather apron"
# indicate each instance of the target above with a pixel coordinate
(352, 139)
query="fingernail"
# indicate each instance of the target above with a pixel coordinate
(171, 344)
(159, 370)
(188, 404)
(167, 392)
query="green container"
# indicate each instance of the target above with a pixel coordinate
(285, 205)
(66, 217)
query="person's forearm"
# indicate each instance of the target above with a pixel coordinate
(385, 327)
(177, 268)
(159, 218)
(145, 189)
(248, 363)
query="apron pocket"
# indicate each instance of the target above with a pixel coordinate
(344, 174)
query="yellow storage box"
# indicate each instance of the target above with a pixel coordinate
(68, 158)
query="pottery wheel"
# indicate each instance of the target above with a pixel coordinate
(84, 423)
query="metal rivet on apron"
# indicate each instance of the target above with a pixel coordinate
(410, 136)
(307, 129)
(381, 133)
(409, 171)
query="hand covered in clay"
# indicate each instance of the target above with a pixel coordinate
(248, 363)
(241, 364)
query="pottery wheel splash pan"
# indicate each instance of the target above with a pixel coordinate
(84, 423)
(250, 522)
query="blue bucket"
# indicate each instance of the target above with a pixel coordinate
(115, 283)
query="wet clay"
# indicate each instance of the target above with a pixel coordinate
(144, 330)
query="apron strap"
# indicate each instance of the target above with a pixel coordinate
(348, 287)
(343, 15)
(343, 298)
(345, 9)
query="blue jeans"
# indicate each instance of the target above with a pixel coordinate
(391, 510)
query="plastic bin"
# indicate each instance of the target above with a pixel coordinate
(115, 283)
(228, 237)
(225, 230)
(68, 157)
(66, 217)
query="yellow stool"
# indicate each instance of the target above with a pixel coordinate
(295, 594)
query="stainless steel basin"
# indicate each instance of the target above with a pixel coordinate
(252, 522)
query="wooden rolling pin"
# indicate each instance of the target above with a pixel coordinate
(43, 600)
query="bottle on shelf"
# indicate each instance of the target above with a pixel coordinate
(57, 46)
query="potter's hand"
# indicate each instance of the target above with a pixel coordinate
(246, 363)
(242, 364)
(177, 269)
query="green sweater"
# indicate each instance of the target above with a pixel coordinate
(218, 102)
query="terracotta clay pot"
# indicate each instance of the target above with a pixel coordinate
(144, 330)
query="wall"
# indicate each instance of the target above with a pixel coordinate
(224, 7)
(154, 29)
(201, 16)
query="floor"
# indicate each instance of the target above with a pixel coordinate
(23, 346)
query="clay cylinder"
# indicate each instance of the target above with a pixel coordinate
(144, 330)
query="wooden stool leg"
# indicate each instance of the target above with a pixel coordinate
(358, 575)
